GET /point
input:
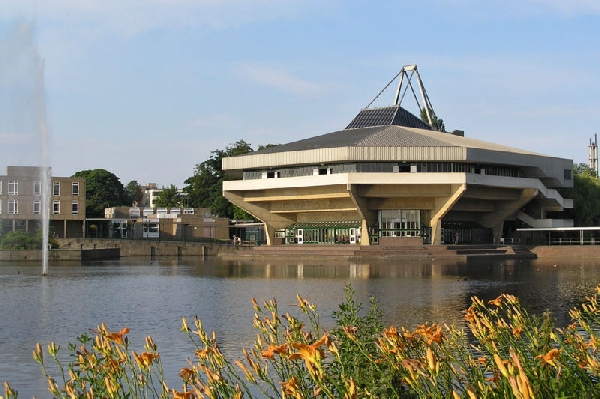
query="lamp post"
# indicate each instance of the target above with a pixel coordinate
(133, 229)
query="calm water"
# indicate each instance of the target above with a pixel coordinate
(150, 297)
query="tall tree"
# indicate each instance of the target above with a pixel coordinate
(585, 194)
(134, 192)
(103, 190)
(168, 198)
(204, 188)
(436, 123)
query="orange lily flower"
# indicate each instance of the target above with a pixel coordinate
(291, 388)
(144, 359)
(312, 353)
(182, 395)
(548, 358)
(391, 332)
(186, 373)
(274, 349)
(118, 336)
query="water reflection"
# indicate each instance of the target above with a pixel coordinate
(150, 297)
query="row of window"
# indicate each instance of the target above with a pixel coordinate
(385, 167)
(13, 188)
(13, 207)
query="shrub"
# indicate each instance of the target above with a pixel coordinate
(508, 353)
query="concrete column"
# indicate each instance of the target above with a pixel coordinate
(441, 207)
(364, 233)
(269, 233)
(495, 220)
(497, 231)
(368, 216)
(272, 221)
(436, 231)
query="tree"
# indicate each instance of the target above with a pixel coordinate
(168, 198)
(134, 192)
(103, 190)
(204, 188)
(585, 194)
(436, 123)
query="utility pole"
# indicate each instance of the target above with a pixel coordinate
(593, 154)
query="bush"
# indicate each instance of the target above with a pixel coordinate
(20, 240)
(508, 353)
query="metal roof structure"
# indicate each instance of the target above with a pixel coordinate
(393, 115)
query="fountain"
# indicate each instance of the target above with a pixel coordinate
(23, 122)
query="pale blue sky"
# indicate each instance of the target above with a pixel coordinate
(146, 89)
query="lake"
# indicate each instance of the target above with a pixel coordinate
(150, 297)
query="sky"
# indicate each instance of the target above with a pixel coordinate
(148, 89)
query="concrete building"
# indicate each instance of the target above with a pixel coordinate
(21, 207)
(388, 178)
(182, 224)
(151, 193)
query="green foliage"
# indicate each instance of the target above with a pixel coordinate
(169, 197)
(585, 194)
(134, 192)
(436, 123)
(508, 353)
(355, 337)
(105, 367)
(103, 190)
(20, 240)
(205, 187)
(264, 147)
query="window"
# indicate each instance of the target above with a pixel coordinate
(37, 188)
(13, 187)
(568, 174)
(13, 207)
(37, 207)
(75, 188)
(56, 188)
(75, 208)
(56, 207)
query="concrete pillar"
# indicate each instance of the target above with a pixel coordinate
(269, 233)
(364, 233)
(271, 221)
(441, 207)
(497, 231)
(495, 220)
(368, 216)
(436, 231)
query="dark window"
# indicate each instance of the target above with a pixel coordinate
(568, 174)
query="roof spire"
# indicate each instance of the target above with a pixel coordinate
(404, 73)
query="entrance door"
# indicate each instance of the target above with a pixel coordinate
(300, 236)
(352, 236)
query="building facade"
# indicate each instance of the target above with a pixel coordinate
(181, 224)
(388, 178)
(22, 203)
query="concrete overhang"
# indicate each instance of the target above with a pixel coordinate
(482, 190)
(549, 169)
